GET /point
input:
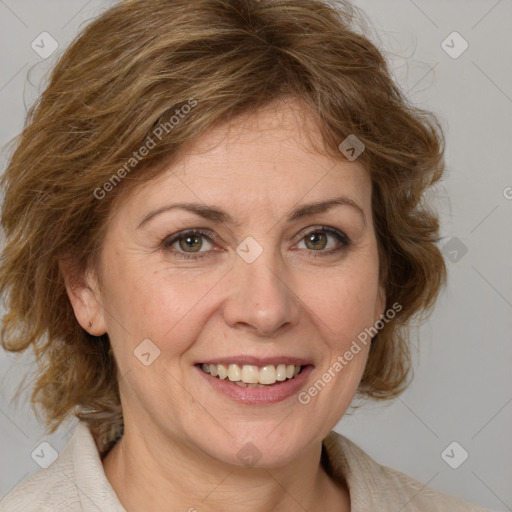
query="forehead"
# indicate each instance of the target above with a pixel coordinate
(263, 158)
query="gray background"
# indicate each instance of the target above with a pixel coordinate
(463, 384)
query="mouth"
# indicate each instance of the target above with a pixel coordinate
(253, 376)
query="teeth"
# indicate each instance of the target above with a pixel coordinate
(281, 372)
(234, 373)
(250, 375)
(268, 374)
(242, 385)
(223, 371)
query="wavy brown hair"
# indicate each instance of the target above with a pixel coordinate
(130, 70)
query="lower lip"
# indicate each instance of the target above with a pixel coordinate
(258, 396)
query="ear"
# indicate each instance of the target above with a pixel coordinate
(84, 294)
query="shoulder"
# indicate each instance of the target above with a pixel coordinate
(376, 487)
(74, 482)
(50, 489)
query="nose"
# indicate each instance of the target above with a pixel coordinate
(261, 298)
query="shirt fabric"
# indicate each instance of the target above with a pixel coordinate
(76, 482)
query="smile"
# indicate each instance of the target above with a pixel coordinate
(252, 376)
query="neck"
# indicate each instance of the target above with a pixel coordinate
(173, 477)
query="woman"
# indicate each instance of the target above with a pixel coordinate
(215, 239)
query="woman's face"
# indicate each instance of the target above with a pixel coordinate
(269, 281)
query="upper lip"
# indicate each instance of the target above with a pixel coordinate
(257, 361)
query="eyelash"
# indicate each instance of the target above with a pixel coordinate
(342, 238)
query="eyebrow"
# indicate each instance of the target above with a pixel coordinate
(220, 216)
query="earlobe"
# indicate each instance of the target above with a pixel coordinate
(83, 293)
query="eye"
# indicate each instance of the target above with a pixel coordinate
(325, 241)
(188, 244)
(197, 243)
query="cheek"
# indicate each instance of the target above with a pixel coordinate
(170, 306)
(343, 307)
(345, 301)
(155, 302)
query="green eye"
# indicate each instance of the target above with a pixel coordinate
(190, 243)
(316, 241)
(319, 241)
(197, 244)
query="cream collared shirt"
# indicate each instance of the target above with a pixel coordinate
(76, 482)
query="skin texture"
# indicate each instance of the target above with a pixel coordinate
(181, 439)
